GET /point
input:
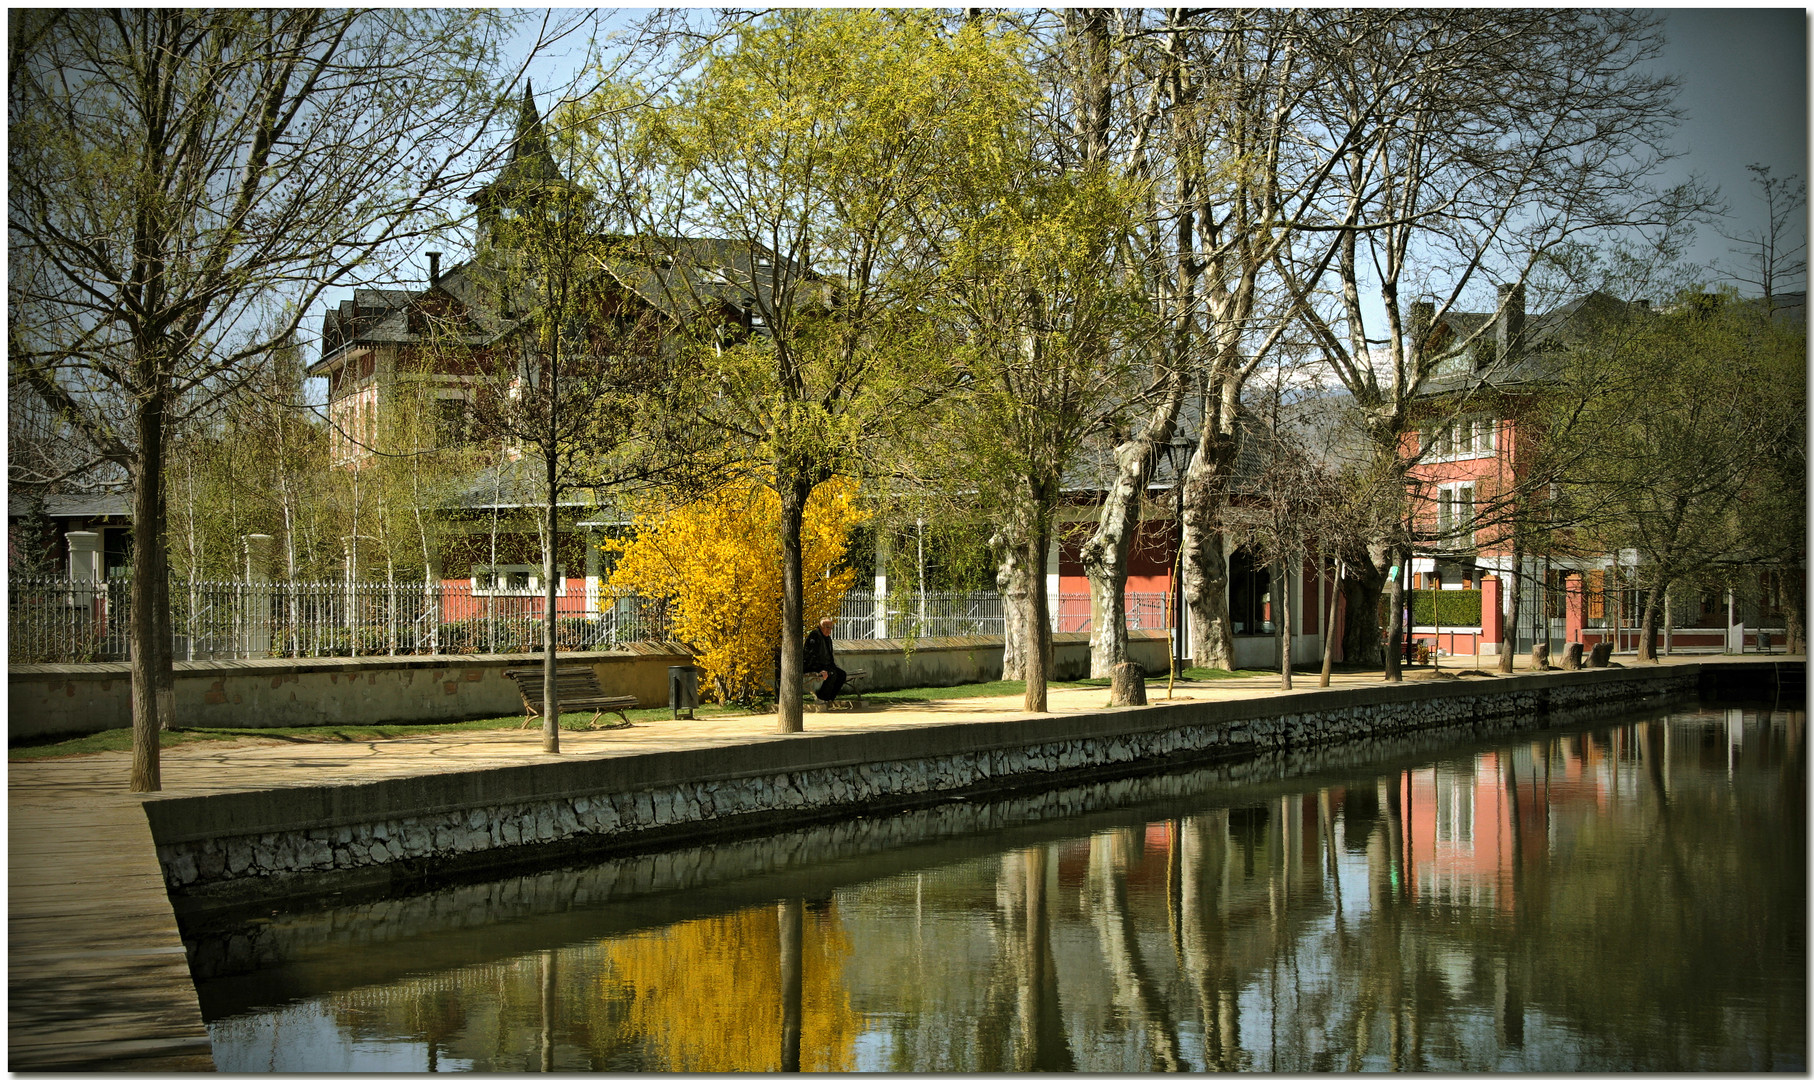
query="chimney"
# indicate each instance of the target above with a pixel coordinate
(1509, 332)
(434, 268)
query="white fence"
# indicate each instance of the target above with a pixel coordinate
(60, 621)
(57, 621)
(950, 614)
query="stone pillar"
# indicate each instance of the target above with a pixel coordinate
(258, 595)
(1492, 617)
(884, 555)
(1576, 608)
(258, 558)
(1052, 574)
(84, 561)
(84, 574)
(592, 576)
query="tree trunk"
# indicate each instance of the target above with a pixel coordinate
(1653, 610)
(1205, 553)
(150, 600)
(1395, 626)
(1127, 685)
(789, 683)
(1038, 657)
(1334, 593)
(1361, 637)
(1513, 595)
(1013, 581)
(1105, 553)
(1284, 624)
(551, 697)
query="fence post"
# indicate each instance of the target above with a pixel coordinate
(84, 562)
(258, 595)
(84, 576)
(879, 598)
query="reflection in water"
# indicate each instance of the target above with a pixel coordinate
(1627, 897)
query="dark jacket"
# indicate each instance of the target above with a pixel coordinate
(819, 654)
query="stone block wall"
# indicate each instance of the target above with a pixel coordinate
(233, 848)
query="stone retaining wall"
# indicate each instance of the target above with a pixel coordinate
(227, 849)
(77, 699)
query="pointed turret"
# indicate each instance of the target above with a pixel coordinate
(529, 181)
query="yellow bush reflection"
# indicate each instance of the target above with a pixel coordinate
(706, 995)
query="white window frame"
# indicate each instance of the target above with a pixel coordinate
(1463, 438)
(1448, 496)
(488, 572)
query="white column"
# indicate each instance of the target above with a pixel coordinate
(884, 554)
(1052, 578)
(258, 595)
(84, 562)
(592, 576)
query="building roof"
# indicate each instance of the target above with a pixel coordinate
(87, 505)
(1536, 349)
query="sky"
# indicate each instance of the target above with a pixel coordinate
(1744, 88)
(1744, 79)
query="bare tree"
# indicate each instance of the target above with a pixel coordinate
(1488, 143)
(1774, 255)
(184, 185)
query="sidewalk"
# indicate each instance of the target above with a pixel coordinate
(97, 974)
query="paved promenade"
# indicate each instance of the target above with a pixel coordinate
(96, 971)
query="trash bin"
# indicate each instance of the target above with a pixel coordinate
(683, 690)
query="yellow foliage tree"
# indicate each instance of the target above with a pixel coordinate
(706, 996)
(718, 562)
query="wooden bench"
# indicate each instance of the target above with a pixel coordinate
(577, 688)
(851, 679)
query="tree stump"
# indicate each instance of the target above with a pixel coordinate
(1571, 657)
(1127, 685)
(1540, 656)
(1601, 654)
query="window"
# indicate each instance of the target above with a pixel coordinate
(1469, 436)
(1455, 515)
(514, 579)
(1249, 594)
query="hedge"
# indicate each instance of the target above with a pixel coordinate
(1456, 607)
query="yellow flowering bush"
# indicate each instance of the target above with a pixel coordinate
(718, 562)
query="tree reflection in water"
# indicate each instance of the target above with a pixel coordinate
(1628, 897)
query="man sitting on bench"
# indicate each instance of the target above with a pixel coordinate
(821, 659)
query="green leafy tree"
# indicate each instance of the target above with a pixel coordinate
(812, 145)
(1684, 416)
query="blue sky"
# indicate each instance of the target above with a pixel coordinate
(1744, 75)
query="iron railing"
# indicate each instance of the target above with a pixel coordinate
(915, 615)
(54, 620)
(61, 621)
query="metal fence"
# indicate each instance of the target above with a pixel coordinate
(950, 614)
(60, 621)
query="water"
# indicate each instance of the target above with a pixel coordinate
(1626, 896)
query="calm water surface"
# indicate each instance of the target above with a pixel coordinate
(1630, 896)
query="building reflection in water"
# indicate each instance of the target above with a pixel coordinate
(1628, 897)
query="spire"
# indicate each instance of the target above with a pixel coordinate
(530, 182)
(530, 157)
